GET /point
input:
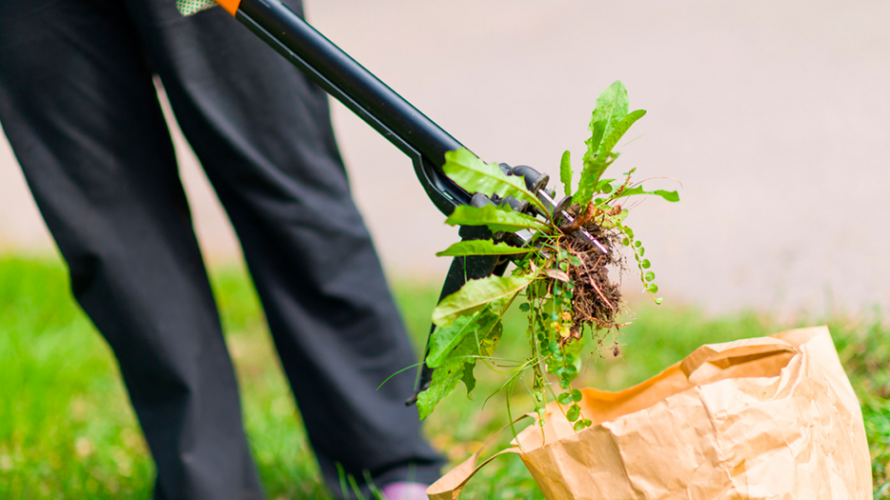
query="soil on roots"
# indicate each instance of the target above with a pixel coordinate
(596, 299)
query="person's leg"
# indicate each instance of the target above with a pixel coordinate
(263, 134)
(80, 111)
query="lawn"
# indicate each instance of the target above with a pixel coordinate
(67, 431)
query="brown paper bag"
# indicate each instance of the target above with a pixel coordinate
(763, 418)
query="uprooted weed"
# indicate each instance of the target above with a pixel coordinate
(597, 300)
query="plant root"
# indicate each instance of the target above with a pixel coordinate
(596, 300)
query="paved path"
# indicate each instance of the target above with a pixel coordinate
(775, 116)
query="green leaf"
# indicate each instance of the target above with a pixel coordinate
(608, 124)
(444, 339)
(565, 172)
(576, 395)
(573, 413)
(587, 186)
(445, 379)
(481, 247)
(477, 293)
(671, 196)
(619, 130)
(649, 276)
(553, 347)
(453, 370)
(496, 218)
(564, 399)
(468, 378)
(488, 342)
(604, 186)
(476, 176)
(611, 108)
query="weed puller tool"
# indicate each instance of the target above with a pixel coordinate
(399, 122)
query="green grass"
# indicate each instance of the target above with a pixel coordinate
(67, 431)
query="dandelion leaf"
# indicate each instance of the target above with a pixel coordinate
(476, 176)
(671, 196)
(477, 293)
(618, 132)
(444, 339)
(458, 367)
(481, 247)
(496, 218)
(606, 123)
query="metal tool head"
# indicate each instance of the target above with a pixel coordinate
(560, 213)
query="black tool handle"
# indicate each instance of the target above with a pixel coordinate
(392, 116)
(360, 91)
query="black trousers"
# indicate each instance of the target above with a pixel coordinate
(79, 108)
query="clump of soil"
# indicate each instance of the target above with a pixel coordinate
(596, 299)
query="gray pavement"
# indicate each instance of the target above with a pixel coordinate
(774, 115)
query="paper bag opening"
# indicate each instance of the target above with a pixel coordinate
(710, 363)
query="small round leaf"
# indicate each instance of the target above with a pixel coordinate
(573, 413)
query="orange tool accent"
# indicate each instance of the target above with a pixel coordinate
(231, 6)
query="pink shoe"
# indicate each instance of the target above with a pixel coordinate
(402, 490)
